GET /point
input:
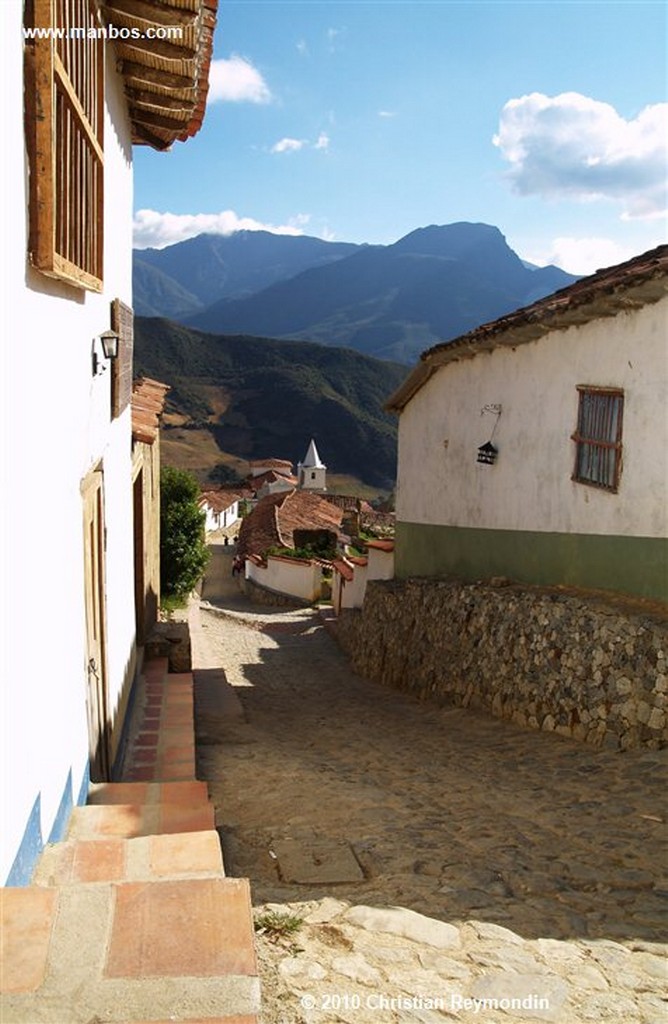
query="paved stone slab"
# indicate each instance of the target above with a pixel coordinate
(406, 923)
(196, 928)
(306, 863)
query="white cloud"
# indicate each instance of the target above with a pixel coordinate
(288, 146)
(157, 230)
(582, 255)
(302, 47)
(236, 81)
(572, 146)
(387, 113)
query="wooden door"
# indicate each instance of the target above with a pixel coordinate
(95, 654)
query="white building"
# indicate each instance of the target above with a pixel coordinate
(312, 472)
(221, 509)
(535, 447)
(73, 110)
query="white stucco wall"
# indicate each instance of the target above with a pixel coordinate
(530, 486)
(381, 564)
(352, 594)
(297, 579)
(55, 427)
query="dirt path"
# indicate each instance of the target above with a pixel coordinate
(327, 785)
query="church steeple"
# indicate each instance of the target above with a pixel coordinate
(312, 471)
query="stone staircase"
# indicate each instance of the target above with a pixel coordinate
(131, 919)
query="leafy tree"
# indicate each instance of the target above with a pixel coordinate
(183, 550)
(224, 474)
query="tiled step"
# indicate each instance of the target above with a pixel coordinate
(190, 794)
(146, 858)
(129, 820)
(163, 745)
(129, 953)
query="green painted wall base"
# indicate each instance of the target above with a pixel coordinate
(626, 565)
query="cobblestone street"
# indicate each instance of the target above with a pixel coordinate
(539, 862)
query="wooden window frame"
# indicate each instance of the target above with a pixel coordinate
(64, 112)
(598, 436)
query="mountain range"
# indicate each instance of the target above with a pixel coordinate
(387, 301)
(236, 398)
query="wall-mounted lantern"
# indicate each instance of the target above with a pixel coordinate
(109, 343)
(487, 453)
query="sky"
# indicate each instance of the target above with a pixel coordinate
(362, 121)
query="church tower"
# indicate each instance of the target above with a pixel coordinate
(312, 471)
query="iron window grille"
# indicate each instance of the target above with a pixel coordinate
(598, 437)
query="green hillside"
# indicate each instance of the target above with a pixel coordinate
(257, 397)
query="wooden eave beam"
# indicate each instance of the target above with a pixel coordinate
(141, 136)
(156, 12)
(168, 124)
(162, 48)
(147, 98)
(141, 72)
(155, 101)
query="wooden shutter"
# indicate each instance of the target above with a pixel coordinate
(64, 129)
(122, 321)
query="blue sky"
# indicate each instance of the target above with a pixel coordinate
(362, 121)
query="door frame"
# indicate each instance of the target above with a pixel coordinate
(95, 654)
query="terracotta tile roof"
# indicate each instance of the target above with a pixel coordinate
(348, 502)
(275, 518)
(147, 404)
(271, 477)
(220, 499)
(380, 545)
(270, 464)
(166, 80)
(344, 570)
(631, 285)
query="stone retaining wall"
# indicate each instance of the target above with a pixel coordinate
(592, 669)
(262, 595)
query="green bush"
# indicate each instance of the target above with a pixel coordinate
(183, 550)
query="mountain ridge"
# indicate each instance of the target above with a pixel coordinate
(391, 302)
(239, 397)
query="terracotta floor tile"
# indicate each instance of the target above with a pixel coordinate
(26, 918)
(147, 739)
(185, 852)
(100, 860)
(141, 773)
(173, 773)
(100, 821)
(186, 793)
(178, 753)
(145, 754)
(174, 818)
(119, 793)
(191, 928)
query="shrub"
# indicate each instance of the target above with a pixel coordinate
(183, 550)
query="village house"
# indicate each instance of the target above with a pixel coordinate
(289, 520)
(534, 447)
(352, 573)
(80, 576)
(270, 476)
(222, 510)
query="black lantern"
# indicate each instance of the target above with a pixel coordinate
(487, 453)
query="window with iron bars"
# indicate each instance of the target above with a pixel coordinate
(598, 437)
